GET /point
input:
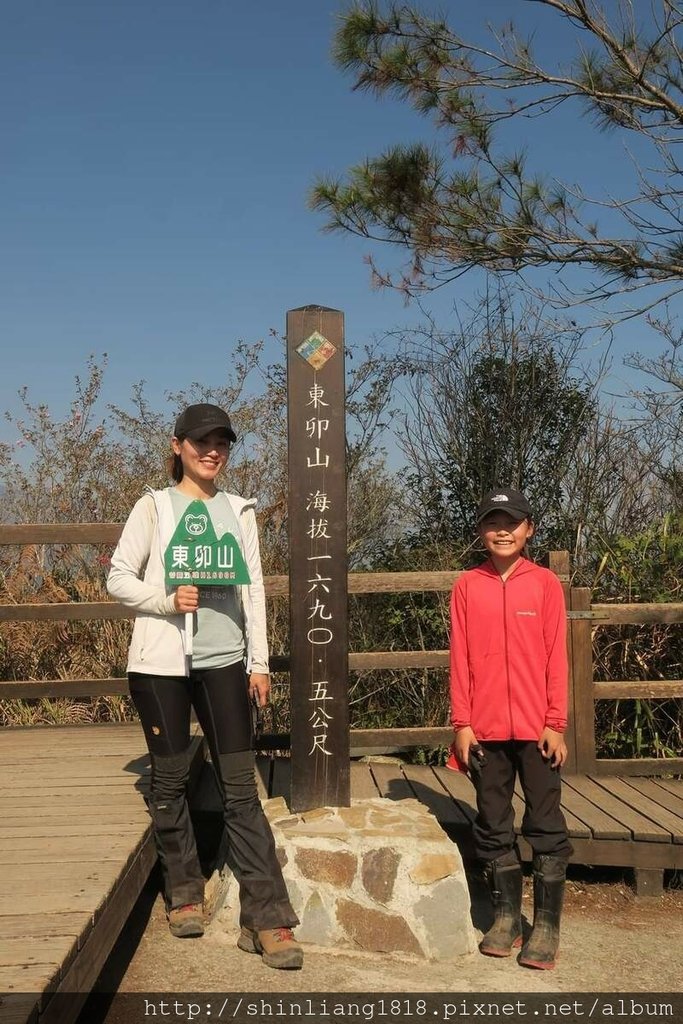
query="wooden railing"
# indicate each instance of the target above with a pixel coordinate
(583, 615)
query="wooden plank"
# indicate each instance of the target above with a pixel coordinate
(390, 781)
(60, 533)
(76, 849)
(638, 766)
(651, 789)
(428, 790)
(600, 824)
(380, 583)
(633, 796)
(372, 660)
(56, 950)
(127, 755)
(65, 611)
(53, 901)
(402, 738)
(102, 817)
(46, 749)
(641, 827)
(20, 926)
(117, 788)
(362, 783)
(637, 689)
(29, 689)
(119, 736)
(68, 891)
(616, 614)
(65, 874)
(19, 1008)
(87, 797)
(616, 853)
(78, 771)
(72, 829)
(35, 980)
(102, 766)
(461, 790)
(575, 826)
(83, 973)
(674, 786)
(401, 582)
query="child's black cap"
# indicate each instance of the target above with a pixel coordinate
(503, 499)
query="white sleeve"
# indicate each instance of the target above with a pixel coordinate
(129, 560)
(258, 638)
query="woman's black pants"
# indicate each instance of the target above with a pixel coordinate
(543, 824)
(221, 702)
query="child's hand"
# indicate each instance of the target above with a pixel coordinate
(464, 739)
(552, 747)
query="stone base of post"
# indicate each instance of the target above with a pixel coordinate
(377, 876)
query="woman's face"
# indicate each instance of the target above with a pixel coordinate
(203, 459)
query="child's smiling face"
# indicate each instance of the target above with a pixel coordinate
(504, 537)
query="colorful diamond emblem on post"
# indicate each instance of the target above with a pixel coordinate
(316, 350)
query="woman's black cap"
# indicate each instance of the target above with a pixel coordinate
(503, 499)
(199, 420)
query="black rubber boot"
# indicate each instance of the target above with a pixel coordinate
(541, 949)
(504, 877)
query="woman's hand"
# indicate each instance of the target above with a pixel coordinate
(186, 599)
(259, 688)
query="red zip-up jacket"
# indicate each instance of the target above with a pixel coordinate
(509, 669)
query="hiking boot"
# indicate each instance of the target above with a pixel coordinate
(186, 922)
(540, 950)
(277, 946)
(504, 877)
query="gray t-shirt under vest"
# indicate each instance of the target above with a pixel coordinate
(218, 638)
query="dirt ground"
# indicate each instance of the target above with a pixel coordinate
(611, 942)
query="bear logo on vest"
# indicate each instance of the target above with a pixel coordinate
(196, 525)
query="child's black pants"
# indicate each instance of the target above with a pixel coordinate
(543, 824)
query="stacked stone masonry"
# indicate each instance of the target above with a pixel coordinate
(376, 876)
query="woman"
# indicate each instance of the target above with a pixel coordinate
(189, 649)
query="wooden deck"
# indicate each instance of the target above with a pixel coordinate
(75, 852)
(75, 844)
(620, 822)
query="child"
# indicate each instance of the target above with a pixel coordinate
(509, 712)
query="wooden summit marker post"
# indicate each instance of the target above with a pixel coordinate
(317, 559)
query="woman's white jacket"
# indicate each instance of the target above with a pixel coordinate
(159, 644)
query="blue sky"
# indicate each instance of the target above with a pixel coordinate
(155, 160)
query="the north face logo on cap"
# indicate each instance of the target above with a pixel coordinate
(500, 497)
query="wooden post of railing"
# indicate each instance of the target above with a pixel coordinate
(558, 562)
(582, 708)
